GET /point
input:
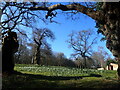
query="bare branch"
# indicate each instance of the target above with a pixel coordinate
(75, 6)
(80, 42)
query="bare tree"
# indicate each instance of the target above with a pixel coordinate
(100, 56)
(23, 54)
(60, 58)
(81, 44)
(40, 36)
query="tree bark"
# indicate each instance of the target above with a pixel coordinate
(118, 70)
(37, 56)
(85, 62)
(110, 28)
(9, 47)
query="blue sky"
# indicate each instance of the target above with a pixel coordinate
(65, 27)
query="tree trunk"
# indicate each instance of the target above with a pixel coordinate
(9, 47)
(85, 62)
(7, 61)
(37, 56)
(110, 28)
(118, 70)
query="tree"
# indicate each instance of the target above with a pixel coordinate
(40, 36)
(9, 47)
(106, 15)
(99, 57)
(60, 58)
(23, 55)
(79, 62)
(82, 45)
(46, 57)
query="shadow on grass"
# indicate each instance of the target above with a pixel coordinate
(22, 80)
(56, 77)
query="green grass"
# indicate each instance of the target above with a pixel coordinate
(35, 76)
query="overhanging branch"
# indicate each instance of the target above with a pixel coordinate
(75, 6)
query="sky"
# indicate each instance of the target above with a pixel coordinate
(65, 27)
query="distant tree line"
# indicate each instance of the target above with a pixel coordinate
(26, 56)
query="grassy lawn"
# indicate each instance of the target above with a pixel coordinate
(34, 76)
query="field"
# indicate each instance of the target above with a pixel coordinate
(35, 76)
